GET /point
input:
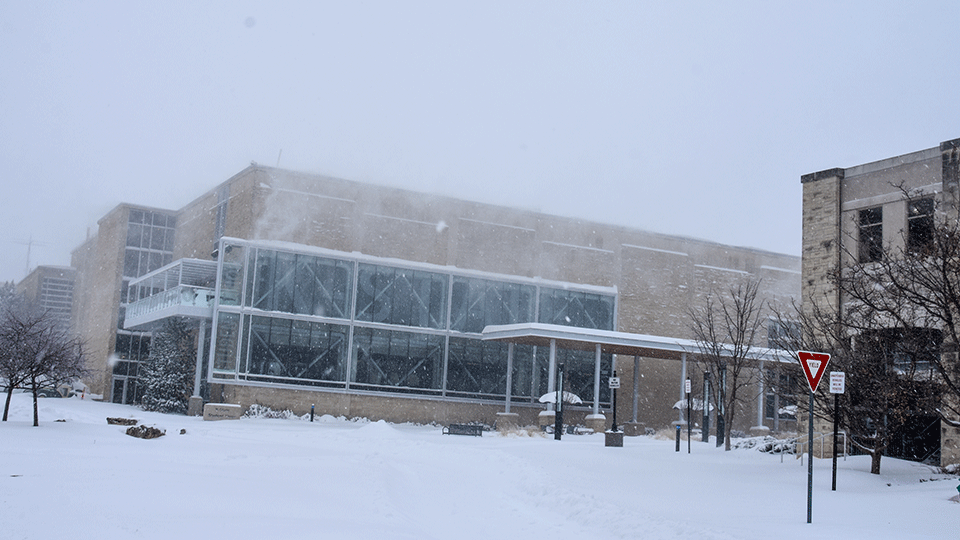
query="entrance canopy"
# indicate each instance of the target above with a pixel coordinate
(623, 343)
(605, 341)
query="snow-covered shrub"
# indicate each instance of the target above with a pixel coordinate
(260, 411)
(767, 444)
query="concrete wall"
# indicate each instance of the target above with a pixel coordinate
(99, 264)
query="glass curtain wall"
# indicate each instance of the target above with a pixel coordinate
(148, 246)
(332, 321)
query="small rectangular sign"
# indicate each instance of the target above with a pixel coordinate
(686, 386)
(837, 382)
(614, 382)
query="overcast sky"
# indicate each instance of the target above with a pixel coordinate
(689, 118)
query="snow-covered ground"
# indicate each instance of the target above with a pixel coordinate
(278, 479)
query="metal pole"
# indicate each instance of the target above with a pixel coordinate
(836, 432)
(683, 378)
(760, 396)
(636, 386)
(722, 405)
(810, 463)
(506, 407)
(614, 397)
(596, 380)
(552, 371)
(558, 419)
(689, 412)
(197, 376)
(706, 407)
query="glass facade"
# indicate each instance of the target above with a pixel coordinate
(148, 246)
(335, 321)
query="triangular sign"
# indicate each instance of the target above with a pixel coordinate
(814, 365)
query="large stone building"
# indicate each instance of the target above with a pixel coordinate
(860, 213)
(50, 289)
(368, 301)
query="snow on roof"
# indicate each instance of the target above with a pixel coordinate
(625, 343)
(415, 265)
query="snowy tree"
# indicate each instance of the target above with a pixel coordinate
(888, 370)
(14, 332)
(36, 354)
(166, 377)
(725, 328)
(915, 287)
(8, 294)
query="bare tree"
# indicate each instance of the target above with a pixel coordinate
(915, 288)
(36, 354)
(15, 332)
(725, 329)
(886, 378)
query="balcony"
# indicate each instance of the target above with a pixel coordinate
(183, 288)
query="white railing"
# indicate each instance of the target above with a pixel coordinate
(181, 295)
(822, 438)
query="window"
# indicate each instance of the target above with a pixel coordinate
(396, 360)
(400, 296)
(871, 234)
(579, 369)
(919, 224)
(574, 308)
(780, 401)
(297, 349)
(477, 303)
(301, 284)
(477, 367)
(782, 334)
(149, 243)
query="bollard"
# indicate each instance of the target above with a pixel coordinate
(311, 413)
(678, 437)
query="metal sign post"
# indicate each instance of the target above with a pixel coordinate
(614, 383)
(558, 420)
(837, 386)
(813, 364)
(706, 406)
(686, 388)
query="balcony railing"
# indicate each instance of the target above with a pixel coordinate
(183, 288)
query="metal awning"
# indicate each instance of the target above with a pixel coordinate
(623, 343)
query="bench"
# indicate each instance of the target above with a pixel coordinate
(464, 429)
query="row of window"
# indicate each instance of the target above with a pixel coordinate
(314, 353)
(919, 233)
(148, 246)
(315, 320)
(320, 286)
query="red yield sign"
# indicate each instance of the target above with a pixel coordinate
(814, 366)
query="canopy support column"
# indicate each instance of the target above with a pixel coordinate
(195, 404)
(596, 381)
(636, 387)
(683, 378)
(506, 407)
(552, 372)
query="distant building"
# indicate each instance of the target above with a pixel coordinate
(855, 213)
(372, 301)
(50, 289)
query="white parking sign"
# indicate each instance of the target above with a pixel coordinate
(837, 382)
